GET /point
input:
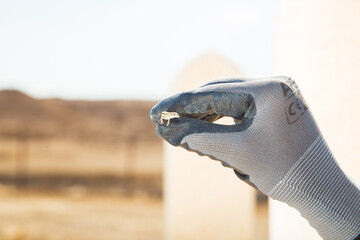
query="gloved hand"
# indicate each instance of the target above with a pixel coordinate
(274, 145)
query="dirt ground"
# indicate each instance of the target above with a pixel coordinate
(40, 217)
(80, 190)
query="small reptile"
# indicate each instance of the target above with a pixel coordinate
(168, 116)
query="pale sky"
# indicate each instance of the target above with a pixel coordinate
(113, 49)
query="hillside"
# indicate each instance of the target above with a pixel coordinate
(24, 116)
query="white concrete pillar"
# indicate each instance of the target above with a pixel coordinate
(204, 200)
(319, 47)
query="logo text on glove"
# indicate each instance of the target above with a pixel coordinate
(294, 107)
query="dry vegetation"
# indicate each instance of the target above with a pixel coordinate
(83, 120)
(78, 169)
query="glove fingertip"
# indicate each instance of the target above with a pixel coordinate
(173, 130)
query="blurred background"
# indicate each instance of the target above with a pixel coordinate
(79, 156)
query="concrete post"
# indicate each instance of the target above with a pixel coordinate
(204, 200)
(319, 46)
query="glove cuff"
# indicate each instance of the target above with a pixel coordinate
(320, 191)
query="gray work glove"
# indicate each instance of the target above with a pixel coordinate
(274, 145)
